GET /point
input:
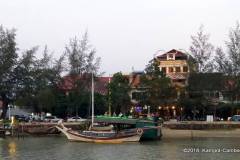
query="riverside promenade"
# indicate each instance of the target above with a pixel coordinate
(200, 129)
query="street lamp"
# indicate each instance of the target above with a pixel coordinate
(149, 115)
(181, 110)
(9, 112)
(174, 111)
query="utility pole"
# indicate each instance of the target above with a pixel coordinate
(109, 98)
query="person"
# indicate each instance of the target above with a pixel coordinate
(106, 114)
(120, 114)
(155, 117)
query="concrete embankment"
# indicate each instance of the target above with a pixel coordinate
(40, 128)
(200, 129)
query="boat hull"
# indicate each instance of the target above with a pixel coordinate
(75, 136)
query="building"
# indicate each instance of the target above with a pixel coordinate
(136, 89)
(174, 64)
(69, 83)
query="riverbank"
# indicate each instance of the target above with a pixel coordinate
(179, 133)
(200, 129)
(38, 128)
(201, 125)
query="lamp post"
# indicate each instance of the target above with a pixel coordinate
(109, 98)
(149, 115)
(174, 111)
(9, 112)
(181, 110)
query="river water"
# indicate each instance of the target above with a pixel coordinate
(58, 148)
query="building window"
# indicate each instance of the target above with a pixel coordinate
(137, 96)
(164, 69)
(170, 69)
(170, 56)
(185, 69)
(178, 69)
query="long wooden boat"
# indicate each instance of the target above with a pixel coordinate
(131, 135)
(151, 130)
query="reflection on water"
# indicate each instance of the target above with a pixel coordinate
(12, 148)
(58, 148)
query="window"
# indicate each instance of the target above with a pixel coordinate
(185, 69)
(170, 56)
(135, 95)
(164, 69)
(138, 95)
(170, 69)
(178, 69)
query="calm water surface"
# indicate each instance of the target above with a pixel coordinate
(58, 148)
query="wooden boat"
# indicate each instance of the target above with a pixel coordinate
(98, 135)
(131, 135)
(151, 130)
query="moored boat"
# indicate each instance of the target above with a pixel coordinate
(151, 130)
(130, 135)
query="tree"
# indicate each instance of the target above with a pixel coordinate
(202, 50)
(233, 49)
(158, 88)
(8, 60)
(81, 56)
(82, 63)
(25, 78)
(37, 79)
(222, 64)
(202, 89)
(119, 93)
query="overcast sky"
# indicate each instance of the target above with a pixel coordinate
(125, 33)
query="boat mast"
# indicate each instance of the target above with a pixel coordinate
(92, 100)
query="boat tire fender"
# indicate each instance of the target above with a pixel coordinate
(139, 131)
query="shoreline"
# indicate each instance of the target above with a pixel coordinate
(212, 133)
(200, 129)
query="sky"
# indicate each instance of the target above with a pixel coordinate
(126, 33)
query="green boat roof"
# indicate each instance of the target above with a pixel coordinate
(120, 120)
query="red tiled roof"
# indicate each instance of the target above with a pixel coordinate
(135, 80)
(101, 85)
(69, 83)
(177, 54)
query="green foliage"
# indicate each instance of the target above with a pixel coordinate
(37, 80)
(158, 88)
(81, 56)
(205, 82)
(100, 104)
(8, 60)
(233, 48)
(46, 100)
(202, 50)
(119, 93)
(222, 63)
(32, 82)
(79, 103)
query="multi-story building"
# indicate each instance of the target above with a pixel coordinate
(174, 64)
